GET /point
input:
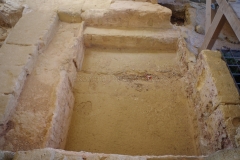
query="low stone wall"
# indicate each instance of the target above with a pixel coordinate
(217, 102)
(64, 96)
(212, 92)
(53, 154)
(42, 112)
(29, 37)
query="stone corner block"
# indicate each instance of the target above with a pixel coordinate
(224, 83)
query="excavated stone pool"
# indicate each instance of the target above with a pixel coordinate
(131, 103)
(103, 80)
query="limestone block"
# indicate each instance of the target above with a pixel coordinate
(6, 155)
(220, 127)
(63, 111)
(64, 95)
(96, 4)
(228, 154)
(17, 55)
(227, 92)
(12, 78)
(151, 1)
(130, 14)
(71, 13)
(36, 28)
(16, 62)
(44, 107)
(214, 83)
(55, 154)
(10, 14)
(213, 90)
(79, 47)
(151, 39)
(7, 104)
(44, 154)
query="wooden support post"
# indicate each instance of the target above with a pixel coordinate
(231, 16)
(214, 30)
(225, 12)
(209, 14)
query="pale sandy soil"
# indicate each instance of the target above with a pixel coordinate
(131, 103)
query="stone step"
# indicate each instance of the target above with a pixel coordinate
(115, 61)
(150, 39)
(129, 14)
(72, 12)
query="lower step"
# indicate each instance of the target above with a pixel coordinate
(148, 39)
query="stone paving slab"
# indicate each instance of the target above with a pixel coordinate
(71, 13)
(96, 4)
(16, 62)
(28, 38)
(36, 28)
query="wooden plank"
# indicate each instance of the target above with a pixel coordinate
(209, 14)
(214, 30)
(236, 7)
(230, 15)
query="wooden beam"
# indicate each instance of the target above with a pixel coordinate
(214, 30)
(209, 14)
(236, 7)
(231, 16)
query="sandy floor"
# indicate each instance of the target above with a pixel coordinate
(131, 103)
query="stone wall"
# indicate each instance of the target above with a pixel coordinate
(18, 55)
(37, 102)
(54, 154)
(212, 92)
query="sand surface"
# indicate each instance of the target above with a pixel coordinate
(131, 103)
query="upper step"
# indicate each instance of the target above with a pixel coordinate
(129, 14)
(144, 39)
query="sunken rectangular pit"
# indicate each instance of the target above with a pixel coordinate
(132, 103)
